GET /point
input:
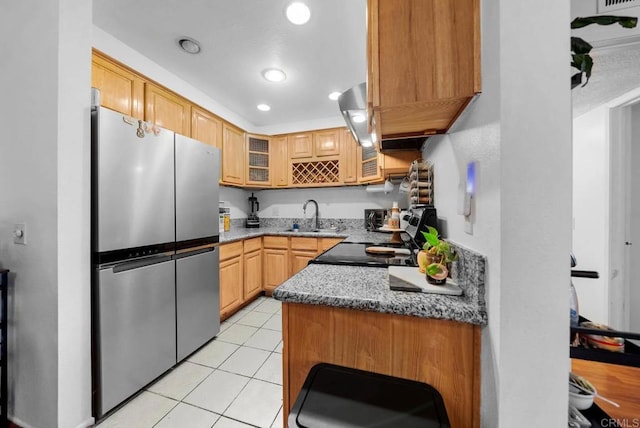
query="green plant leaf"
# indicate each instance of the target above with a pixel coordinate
(576, 80)
(431, 238)
(434, 269)
(587, 65)
(579, 46)
(624, 21)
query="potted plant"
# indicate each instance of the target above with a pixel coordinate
(436, 257)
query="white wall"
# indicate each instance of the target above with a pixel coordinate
(236, 199)
(74, 193)
(518, 132)
(45, 124)
(535, 219)
(591, 210)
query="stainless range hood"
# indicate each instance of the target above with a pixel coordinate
(353, 106)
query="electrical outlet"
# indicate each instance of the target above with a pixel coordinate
(20, 234)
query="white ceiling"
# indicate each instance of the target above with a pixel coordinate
(239, 39)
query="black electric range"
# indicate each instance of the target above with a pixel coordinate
(354, 254)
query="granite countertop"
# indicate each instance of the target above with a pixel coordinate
(349, 235)
(367, 288)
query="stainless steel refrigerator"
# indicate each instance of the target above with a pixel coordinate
(155, 290)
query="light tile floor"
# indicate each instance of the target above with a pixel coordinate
(235, 381)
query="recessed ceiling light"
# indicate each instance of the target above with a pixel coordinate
(333, 96)
(189, 45)
(298, 13)
(274, 75)
(263, 107)
(358, 118)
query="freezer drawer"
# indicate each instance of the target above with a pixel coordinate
(198, 300)
(135, 183)
(136, 330)
(197, 175)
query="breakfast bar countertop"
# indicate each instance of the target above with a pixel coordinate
(367, 288)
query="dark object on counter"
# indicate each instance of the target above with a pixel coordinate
(252, 219)
(374, 218)
(630, 357)
(341, 397)
(355, 254)
(420, 220)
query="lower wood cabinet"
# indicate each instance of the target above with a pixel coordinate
(325, 243)
(254, 265)
(302, 250)
(276, 261)
(231, 278)
(299, 260)
(252, 268)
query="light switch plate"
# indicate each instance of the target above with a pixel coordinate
(20, 234)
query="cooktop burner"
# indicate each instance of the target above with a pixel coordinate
(354, 254)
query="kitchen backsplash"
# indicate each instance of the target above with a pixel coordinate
(286, 223)
(334, 203)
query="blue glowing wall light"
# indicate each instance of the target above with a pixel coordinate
(471, 178)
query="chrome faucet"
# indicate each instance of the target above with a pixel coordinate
(317, 214)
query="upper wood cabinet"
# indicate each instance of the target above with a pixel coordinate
(398, 161)
(327, 142)
(423, 64)
(300, 145)
(279, 162)
(369, 164)
(167, 110)
(314, 144)
(233, 157)
(120, 89)
(206, 127)
(258, 160)
(348, 157)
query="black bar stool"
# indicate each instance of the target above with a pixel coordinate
(340, 397)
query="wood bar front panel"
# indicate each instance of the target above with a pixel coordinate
(444, 354)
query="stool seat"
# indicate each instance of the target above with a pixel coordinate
(340, 397)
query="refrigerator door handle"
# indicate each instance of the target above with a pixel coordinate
(195, 251)
(137, 264)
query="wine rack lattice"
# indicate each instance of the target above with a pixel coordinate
(315, 172)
